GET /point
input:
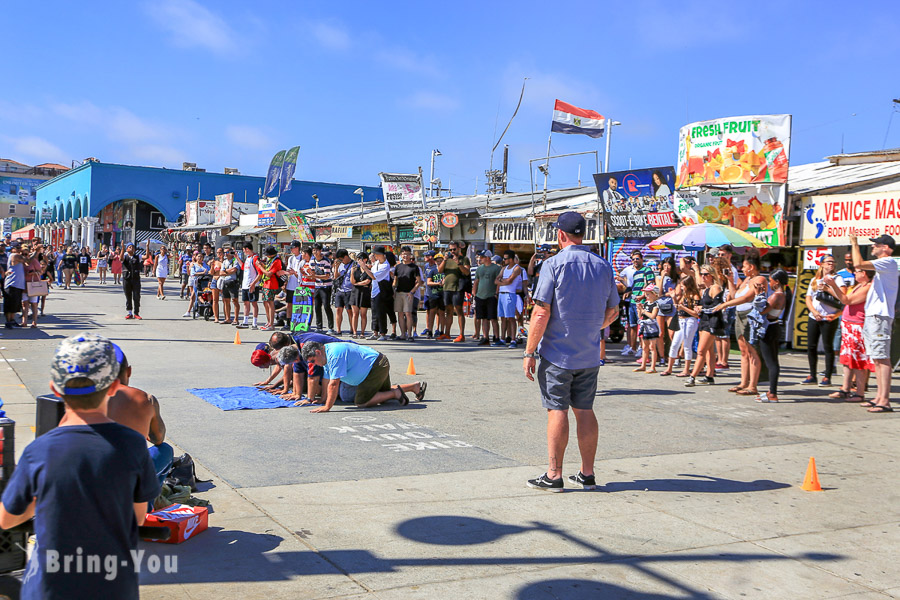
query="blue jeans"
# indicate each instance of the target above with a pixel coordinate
(162, 457)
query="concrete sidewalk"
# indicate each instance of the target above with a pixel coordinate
(700, 492)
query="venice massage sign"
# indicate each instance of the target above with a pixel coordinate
(829, 220)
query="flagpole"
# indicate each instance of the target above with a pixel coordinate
(608, 135)
(547, 168)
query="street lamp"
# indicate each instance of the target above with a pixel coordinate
(609, 126)
(434, 153)
(316, 198)
(361, 193)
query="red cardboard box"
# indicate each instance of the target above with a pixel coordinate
(182, 520)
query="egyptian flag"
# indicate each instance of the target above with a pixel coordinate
(571, 119)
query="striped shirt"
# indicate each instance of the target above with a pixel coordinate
(322, 267)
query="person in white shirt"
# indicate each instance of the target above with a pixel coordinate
(824, 311)
(249, 291)
(380, 273)
(880, 304)
(294, 266)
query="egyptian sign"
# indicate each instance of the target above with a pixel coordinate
(830, 220)
(638, 204)
(537, 232)
(756, 209)
(734, 150)
(301, 312)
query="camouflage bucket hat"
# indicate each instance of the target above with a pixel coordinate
(84, 356)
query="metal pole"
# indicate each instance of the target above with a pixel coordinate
(505, 164)
(362, 199)
(547, 169)
(608, 135)
(431, 178)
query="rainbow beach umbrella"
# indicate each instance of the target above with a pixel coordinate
(703, 235)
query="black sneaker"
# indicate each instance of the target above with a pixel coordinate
(393, 336)
(545, 483)
(586, 481)
(707, 381)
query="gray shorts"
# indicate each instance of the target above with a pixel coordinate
(877, 336)
(741, 324)
(562, 388)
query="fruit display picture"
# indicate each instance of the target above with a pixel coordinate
(756, 209)
(734, 150)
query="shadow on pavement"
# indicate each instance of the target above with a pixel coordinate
(704, 484)
(221, 555)
(641, 392)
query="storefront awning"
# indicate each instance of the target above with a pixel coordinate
(243, 230)
(26, 233)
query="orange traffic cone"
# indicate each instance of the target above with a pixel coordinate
(237, 338)
(811, 481)
(411, 369)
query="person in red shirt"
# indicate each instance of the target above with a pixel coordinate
(270, 269)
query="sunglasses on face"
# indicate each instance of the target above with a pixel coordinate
(705, 274)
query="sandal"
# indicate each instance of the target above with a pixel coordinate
(682, 375)
(665, 373)
(867, 404)
(881, 408)
(403, 399)
(423, 385)
(840, 395)
(736, 389)
(747, 392)
(767, 397)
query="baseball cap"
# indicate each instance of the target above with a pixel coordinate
(571, 222)
(485, 253)
(497, 258)
(439, 255)
(884, 239)
(651, 288)
(430, 253)
(378, 250)
(86, 356)
(296, 244)
(261, 357)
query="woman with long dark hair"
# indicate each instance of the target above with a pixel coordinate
(853, 357)
(776, 304)
(687, 303)
(824, 310)
(751, 364)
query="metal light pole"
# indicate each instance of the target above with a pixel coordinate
(609, 126)
(316, 198)
(434, 153)
(362, 196)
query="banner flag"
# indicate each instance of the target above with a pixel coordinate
(571, 119)
(274, 174)
(287, 169)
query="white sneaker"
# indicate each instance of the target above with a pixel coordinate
(187, 314)
(638, 352)
(627, 351)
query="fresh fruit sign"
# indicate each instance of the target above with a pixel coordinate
(756, 209)
(734, 150)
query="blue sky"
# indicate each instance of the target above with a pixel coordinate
(369, 87)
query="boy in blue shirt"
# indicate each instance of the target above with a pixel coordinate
(87, 483)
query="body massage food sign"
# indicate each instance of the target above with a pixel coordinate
(734, 150)
(830, 220)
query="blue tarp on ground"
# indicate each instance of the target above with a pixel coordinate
(239, 398)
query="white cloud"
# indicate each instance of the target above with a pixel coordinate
(35, 147)
(159, 154)
(433, 101)
(248, 137)
(192, 25)
(407, 60)
(330, 35)
(19, 113)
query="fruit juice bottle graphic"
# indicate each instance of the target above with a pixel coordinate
(776, 160)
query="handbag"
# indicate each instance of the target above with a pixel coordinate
(37, 288)
(829, 300)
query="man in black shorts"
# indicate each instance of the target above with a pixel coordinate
(486, 297)
(434, 294)
(342, 290)
(230, 286)
(454, 267)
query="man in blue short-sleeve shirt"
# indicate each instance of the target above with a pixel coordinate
(87, 483)
(575, 299)
(362, 367)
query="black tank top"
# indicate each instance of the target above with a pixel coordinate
(708, 302)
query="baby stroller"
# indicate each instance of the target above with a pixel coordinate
(203, 305)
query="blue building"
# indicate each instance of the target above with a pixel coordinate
(104, 203)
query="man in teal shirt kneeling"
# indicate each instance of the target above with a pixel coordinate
(362, 367)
